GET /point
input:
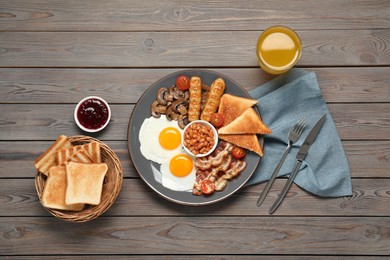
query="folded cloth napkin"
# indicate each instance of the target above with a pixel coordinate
(282, 102)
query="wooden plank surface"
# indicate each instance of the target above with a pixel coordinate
(118, 15)
(54, 53)
(367, 159)
(190, 235)
(370, 198)
(160, 49)
(197, 257)
(47, 122)
(127, 85)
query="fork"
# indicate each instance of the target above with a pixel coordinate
(293, 136)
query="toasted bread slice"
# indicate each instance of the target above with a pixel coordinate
(247, 141)
(247, 123)
(64, 155)
(232, 107)
(48, 158)
(85, 182)
(92, 149)
(81, 156)
(53, 195)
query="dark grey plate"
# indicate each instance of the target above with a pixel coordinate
(145, 167)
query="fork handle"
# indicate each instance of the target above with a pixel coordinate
(273, 177)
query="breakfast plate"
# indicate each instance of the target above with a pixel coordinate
(149, 170)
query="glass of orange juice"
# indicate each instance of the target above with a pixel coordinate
(278, 49)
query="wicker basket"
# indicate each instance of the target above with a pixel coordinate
(111, 186)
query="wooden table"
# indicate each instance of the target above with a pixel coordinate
(53, 53)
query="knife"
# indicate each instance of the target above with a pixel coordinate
(299, 159)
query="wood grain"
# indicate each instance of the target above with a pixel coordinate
(117, 15)
(370, 198)
(367, 159)
(54, 53)
(162, 49)
(17, 158)
(190, 235)
(197, 257)
(47, 122)
(127, 85)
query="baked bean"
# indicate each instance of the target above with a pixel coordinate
(199, 138)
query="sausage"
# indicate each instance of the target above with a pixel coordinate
(212, 102)
(195, 98)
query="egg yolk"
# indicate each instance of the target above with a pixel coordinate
(181, 165)
(169, 138)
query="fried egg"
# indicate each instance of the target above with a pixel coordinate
(178, 173)
(160, 139)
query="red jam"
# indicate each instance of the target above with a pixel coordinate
(92, 113)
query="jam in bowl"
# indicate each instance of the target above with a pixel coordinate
(92, 114)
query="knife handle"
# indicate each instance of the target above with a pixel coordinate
(273, 177)
(286, 187)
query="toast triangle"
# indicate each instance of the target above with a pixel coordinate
(247, 141)
(232, 107)
(247, 123)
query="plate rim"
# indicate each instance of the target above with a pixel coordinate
(154, 188)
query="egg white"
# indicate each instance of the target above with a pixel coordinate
(172, 182)
(148, 137)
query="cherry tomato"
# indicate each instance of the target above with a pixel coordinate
(183, 82)
(238, 152)
(207, 186)
(217, 119)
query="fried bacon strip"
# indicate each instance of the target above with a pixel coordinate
(215, 159)
(218, 168)
(235, 170)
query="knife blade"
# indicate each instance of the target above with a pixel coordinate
(299, 159)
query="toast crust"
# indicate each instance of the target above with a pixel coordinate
(53, 195)
(247, 141)
(232, 107)
(247, 123)
(48, 158)
(92, 149)
(85, 182)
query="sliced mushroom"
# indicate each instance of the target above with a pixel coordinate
(179, 102)
(170, 114)
(172, 89)
(182, 121)
(182, 109)
(175, 116)
(186, 95)
(168, 96)
(156, 109)
(161, 96)
(178, 94)
(175, 92)
(205, 87)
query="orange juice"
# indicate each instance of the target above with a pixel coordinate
(278, 49)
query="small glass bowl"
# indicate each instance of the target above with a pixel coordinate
(215, 137)
(88, 129)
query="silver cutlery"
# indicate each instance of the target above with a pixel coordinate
(299, 159)
(293, 136)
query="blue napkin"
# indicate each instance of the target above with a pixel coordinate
(283, 100)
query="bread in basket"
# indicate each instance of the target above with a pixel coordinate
(111, 186)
